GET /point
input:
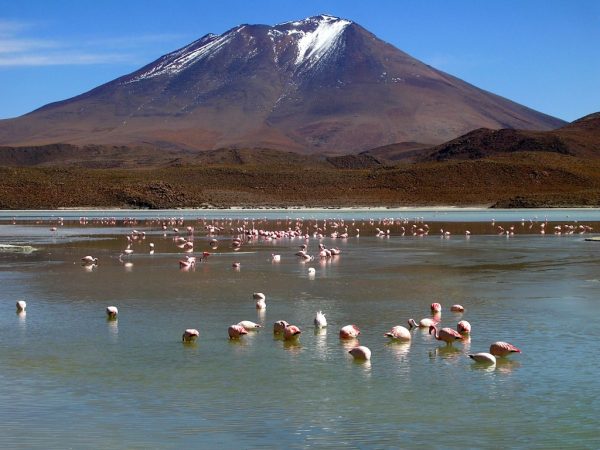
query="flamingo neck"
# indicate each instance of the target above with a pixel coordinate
(435, 332)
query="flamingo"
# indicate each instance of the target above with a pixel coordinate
(436, 308)
(311, 271)
(112, 312)
(448, 335)
(483, 358)
(463, 327)
(236, 265)
(349, 332)
(399, 333)
(275, 258)
(21, 305)
(423, 323)
(261, 304)
(291, 332)
(320, 320)
(249, 325)
(89, 260)
(187, 263)
(457, 308)
(502, 349)
(190, 335)
(258, 296)
(361, 353)
(235, 331)
(279, 326)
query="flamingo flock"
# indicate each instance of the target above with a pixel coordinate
(247, 231)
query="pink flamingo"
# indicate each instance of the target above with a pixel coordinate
(423, 323)
(112, 312)
(249, 325)
(280, 326)
(187, 263)
(89, 260)
(291, 332)
(483, 358)
(448, 335)
(349, 332)
(457, 308)
(190, 335)
(399, 333)
(502, 349)
(436, 308)
(235, 331)
(463, 327)
(361, 353)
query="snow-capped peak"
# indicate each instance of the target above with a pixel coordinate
(313, 45)
(314, 38)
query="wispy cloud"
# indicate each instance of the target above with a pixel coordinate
(19, 49)
(10, 27)
(62, 59)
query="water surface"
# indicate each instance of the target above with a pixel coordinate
(72, 379)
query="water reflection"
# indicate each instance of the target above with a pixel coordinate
(22, 316)
(400, 350)
(445, 352)
(365, 365)
(292, 346)
(483, 367)
(113, 329)
(321, 342)
(506, 366)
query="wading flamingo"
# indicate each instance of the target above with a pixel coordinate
(249, 325)
(235, 331)
(463, 327)
(21, 305)
(89, 260)
(448, 335)
(190, 335)
(423, 323)
(349, 332)
(503, 349)
(399, 333)
(436, 308)
(320, 320)
(279, 326)
(361, 353)
(483, 358)
(112, 312)
(291, 332)
(457, 308)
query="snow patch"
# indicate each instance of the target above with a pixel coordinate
(181, 59)
(313, 45)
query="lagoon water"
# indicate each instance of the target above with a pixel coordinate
(71, 379)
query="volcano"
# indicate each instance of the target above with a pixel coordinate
(319, 85)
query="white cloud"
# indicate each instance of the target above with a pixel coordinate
(18, 48)
(62, 59)
(10, 27)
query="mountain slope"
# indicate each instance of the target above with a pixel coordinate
(319, 85)
(580, 138)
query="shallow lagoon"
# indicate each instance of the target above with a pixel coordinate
(70, 378)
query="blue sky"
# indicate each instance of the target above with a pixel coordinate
(543, 54)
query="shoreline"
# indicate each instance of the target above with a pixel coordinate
(440, 208)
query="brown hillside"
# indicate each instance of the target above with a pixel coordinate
(580, 138)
